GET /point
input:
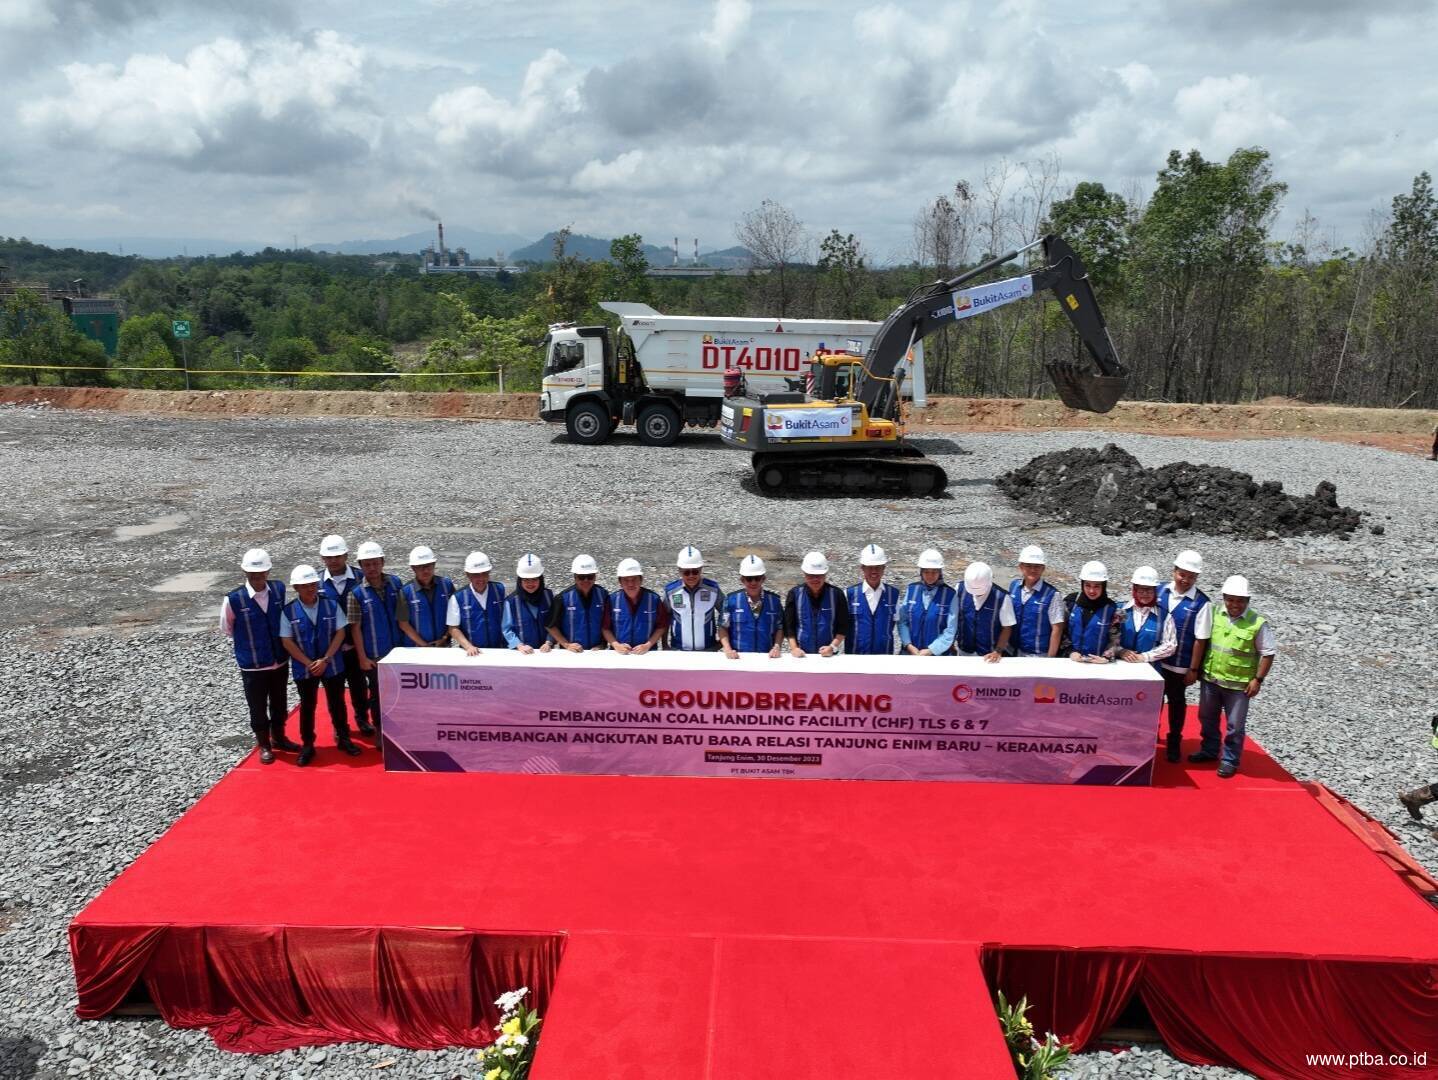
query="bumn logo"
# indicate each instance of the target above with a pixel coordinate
(1044, 694)
(428, 680)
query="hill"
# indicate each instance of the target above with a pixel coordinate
(480, 245)
(596, 249)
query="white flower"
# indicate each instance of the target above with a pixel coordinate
(510, 1051)
(519, 1040)
(509, 1001)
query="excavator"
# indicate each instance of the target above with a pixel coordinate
(843, 433)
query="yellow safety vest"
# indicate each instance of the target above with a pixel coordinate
(1232, 657)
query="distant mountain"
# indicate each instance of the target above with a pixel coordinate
(156, 247)
(480, 245)
(596, 249)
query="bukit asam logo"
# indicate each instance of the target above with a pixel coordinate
(1044, 694)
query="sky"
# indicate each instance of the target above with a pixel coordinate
(263, 121)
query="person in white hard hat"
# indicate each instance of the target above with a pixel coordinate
(374, 612)
(576, 619)
(1037, 605)
(873, 606)
(1240, 656)
(1089, 615)
(1142, 634)
(1192, 616)
(929, 611)
(251, 617)
(340, 579)
(476, 614)
(427, 597)
(753, 619)
(985, 615)
(816, 615)
(526, 612)
(636, 618)
(694, 602)
(313, 633)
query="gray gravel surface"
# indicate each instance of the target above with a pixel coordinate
(121, 706)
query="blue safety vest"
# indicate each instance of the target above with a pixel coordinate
(530, 621)
(871, 632)
(749, 632)
(428, 619)
(926, 624)
(379, 621)
(979, 627)
(1031, 633)
(482, 624)
(815, 617)
(1140, 639)
(257, 632)
(341, 597)
(1184, 614)
(580, 623)
(313, 636)
(633, 625)
(1088, 630)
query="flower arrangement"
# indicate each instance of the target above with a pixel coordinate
(512, 1052)
(1033, 1060)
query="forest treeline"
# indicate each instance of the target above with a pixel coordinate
(1204, 302)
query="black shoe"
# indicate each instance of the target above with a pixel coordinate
(1226, 770)
(365, 728)
(280, 742)
(267, 756)
(307, 754)
(1198, 757)
(347, 747)
(1175, 747)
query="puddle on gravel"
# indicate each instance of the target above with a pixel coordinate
(163, 523)
(190, 581)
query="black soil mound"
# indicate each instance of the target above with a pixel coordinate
(1110, 489)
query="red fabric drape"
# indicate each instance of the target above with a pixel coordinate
(262, 989)
(1266, 1015)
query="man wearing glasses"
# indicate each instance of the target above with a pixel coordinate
(694, 603)
(753, 620)
(576, 618)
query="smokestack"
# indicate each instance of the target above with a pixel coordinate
(442, 260)
(676, 251)
(696, 251)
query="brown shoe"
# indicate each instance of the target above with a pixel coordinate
(1413, 801)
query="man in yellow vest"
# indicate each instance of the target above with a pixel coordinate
(1240, 654)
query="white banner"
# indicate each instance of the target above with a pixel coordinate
(981, 298)
(808, 423)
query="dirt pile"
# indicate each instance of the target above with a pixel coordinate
(1110, 489)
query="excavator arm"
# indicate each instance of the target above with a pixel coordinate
(935, 305)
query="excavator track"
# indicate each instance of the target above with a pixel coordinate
(900, 472)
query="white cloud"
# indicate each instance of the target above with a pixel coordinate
(731, 20)
(272, 107)
(1219, 112)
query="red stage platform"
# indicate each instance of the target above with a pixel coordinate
(773, 928)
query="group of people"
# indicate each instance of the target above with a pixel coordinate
(341, 622)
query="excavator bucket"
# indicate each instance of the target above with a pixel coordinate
(1079, 388)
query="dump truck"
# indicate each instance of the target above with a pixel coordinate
(662, 373)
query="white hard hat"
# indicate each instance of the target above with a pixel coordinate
(978, 578)
(815, 563)
(629, 568)
(1093, 571)
(421, 556)
(255, 560)
(529, 566)
(304, 574)
(1189, 560)
(477, 562)
(1144, 575)
(873, 555)
(334, 544)
(1237, 585)
(369, 550)
(751, 566)
(930, 559)
(1033, 554)
(690, 558)
(584, 564)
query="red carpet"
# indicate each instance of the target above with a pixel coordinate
(340, 902)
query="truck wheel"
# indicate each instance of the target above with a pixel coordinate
(588, 423)
(658, 425)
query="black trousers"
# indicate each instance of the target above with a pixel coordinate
(1176, 694)
(266, 695)
(334, 697)
(354, 678)
(371, 681)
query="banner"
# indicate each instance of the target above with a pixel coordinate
(700, 714)
(981, 298)
(808, 423)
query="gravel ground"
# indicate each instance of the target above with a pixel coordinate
(121, 706)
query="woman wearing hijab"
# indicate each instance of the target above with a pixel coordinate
(1091, 612)
(526, 610)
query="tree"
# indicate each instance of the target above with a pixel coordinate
(843, 277)
(33, 331)
(570, 283)
(777, 240)
(1094, 221)
(627, 271)
(147, 341)
(943, 231)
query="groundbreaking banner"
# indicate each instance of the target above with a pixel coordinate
(699, 714)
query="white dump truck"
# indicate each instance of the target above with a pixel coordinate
(662, 373)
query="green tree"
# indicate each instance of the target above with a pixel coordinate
(1094, 221)
(571, 285)
(627, 278)
(33, 331)
(843, 277)
(147, 341)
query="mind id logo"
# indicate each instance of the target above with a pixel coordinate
(1044, 694)
(962, 693)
